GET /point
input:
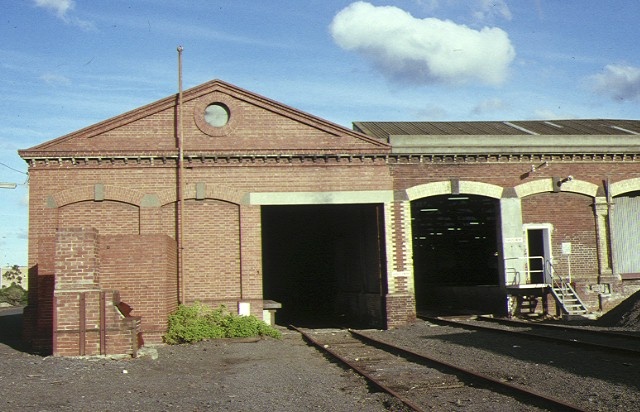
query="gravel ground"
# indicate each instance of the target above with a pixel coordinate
(288, 375)
(593, 380)
(625, 315)
(258, 375)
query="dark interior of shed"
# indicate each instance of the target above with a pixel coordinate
(455, 250)
(324, 263)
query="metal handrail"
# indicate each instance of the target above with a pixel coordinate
(556, 280)
(527, 271)
(562, 287)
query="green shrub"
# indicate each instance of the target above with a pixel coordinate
(14, 295)
(189, 324)
(247, 326)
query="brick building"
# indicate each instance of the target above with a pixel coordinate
(355, 227)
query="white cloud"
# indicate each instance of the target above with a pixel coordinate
(421, 51)
(61, 9)
(481, 10)
(430, 112)
(428, 5)
(550, 114)
(488, 106)
(617, 82)
(487, 10)
(55, 79)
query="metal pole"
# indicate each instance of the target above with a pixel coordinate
(611, 234)
(181, 275)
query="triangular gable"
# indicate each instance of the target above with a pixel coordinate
(256, 125)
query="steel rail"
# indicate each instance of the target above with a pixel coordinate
(564, 328)
(373, 381)
(529, 335)
(509, 387)
(502, 387)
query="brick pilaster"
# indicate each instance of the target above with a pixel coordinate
(400, 300)
(251, 257)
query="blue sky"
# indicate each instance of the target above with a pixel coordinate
(66, 64)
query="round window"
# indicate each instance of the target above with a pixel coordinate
(216, 114)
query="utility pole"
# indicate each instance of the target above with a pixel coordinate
(180, 184)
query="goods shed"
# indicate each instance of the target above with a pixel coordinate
(540, 214)
(229, 198)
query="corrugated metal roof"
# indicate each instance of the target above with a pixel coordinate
(383, 130)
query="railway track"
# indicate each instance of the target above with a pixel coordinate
(423, 382)
(606, 341)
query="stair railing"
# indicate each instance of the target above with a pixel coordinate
(557, 282)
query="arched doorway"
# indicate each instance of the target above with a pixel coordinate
(455, 252)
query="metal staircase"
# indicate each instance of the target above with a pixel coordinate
(565, 295)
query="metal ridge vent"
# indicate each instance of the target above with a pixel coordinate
(553, 124)
(522, 129)
(622, 129)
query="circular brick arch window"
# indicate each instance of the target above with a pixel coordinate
(216, 114)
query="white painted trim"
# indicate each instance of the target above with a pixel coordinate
(466, 187)
(548, 231)
(321, 198)
(624, 186)
(546, 185)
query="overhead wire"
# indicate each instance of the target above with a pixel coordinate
(14, 169)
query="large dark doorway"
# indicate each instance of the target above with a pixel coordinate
(455, 250)
(325, 264)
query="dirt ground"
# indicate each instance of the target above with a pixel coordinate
(230, 375)
(225, 375)
(626, 314)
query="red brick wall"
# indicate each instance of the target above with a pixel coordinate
(251, 252)
(276, 128)
(77, 326)
(86, 320)
(38, 315)
(399, 218)
(107, 217)
(88, 323)
(509, 174)
(222, 241)
(211, 250)
(573, 220)
(143, 269)
(400, 309)
(77, 261)
(76, 296)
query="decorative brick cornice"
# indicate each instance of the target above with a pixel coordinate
(512, 158)
(42, 160)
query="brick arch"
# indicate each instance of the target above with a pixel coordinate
(109, 217)
(445, 187)
(87, 193)
(624, 186)
(546, 185)
(225, 194)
